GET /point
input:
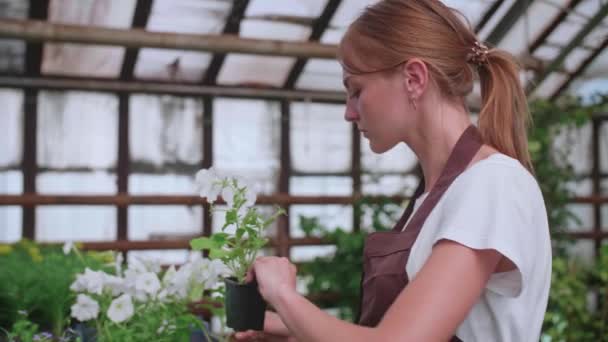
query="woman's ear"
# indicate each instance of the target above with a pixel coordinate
(416, 77)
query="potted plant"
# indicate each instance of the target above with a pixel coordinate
(236, 245)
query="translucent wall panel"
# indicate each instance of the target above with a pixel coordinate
(189, 16)
(246, 141)
(164, 222)
(321, 186)
(471, 9)
(219, 219)
(87, 60)
(77, 183)
(330, 216)
(165, 130)
(11, 182)
(550, 85)
(309, 253)
(322, 74)
(10, 224)
(11, 121)
(579, 143)
(12, 51)
(320, 138)
(241, 68)
(300, 8)
(56, 223)
(584, 212)
(582, 250)
(527, 28)
(169, 184)
(12, 55)
(164, 257)
(77, 129)
(399, 159)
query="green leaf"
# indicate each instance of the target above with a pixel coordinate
(231, 217)
(219, 239)
(202, 243)
(218, 253)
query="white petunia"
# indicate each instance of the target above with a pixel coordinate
(250, 198)
(228, 196)
(148, 283)
(86, 308)
(121, 309)
(90, 281)
(113, 284)
(207, 183)
(67, 247)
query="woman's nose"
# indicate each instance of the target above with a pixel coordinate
(350, 114)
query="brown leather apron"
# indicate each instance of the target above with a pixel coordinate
(386, 253)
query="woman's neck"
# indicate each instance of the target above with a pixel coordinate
(436, 139)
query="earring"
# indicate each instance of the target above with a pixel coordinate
(413, 103)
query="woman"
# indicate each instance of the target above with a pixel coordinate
(470, 260)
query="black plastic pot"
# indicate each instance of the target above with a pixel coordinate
(245, 307)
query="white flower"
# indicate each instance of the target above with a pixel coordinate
(86, 308)
(67, 247)
(121, 309)
(115, 285)
(228, 196)
(207, 182)
(90, 281)
(148, 283)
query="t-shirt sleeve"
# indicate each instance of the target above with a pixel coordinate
(491, 208)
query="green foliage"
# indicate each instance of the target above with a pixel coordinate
(36, 280)
(239, 248)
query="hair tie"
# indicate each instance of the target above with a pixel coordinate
(479, 54)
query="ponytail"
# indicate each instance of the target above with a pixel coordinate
(504, 116)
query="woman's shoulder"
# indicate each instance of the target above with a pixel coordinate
(497, 177)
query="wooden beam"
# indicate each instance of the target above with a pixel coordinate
(283, 233)
(318, 28)
(39, 31)
(207, 161)
(580, 36)
(143, 8)
(596, 184)
(170, 89)
(279, 199)
(233, 26)
(179, 244)
(356, 174)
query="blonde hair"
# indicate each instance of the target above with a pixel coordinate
(393, 31)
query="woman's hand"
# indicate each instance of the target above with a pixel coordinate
(275, 276)
(274, 331)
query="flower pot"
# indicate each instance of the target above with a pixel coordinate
(245, 307)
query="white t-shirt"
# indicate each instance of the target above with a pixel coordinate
(496, 204)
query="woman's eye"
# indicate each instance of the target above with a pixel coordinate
(355, 94)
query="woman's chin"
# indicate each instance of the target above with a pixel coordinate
(378, 148)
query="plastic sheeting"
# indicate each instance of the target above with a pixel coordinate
(81, 60)
(165, 130)
(77, 129)
(11, 148)
(320, 138)
(247, 140)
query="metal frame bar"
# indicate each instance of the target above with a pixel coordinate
(170, 89)
(143, 8)
(580, 36)
(233, 26)
(501, 29)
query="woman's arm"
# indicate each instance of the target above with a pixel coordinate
(430, 308)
